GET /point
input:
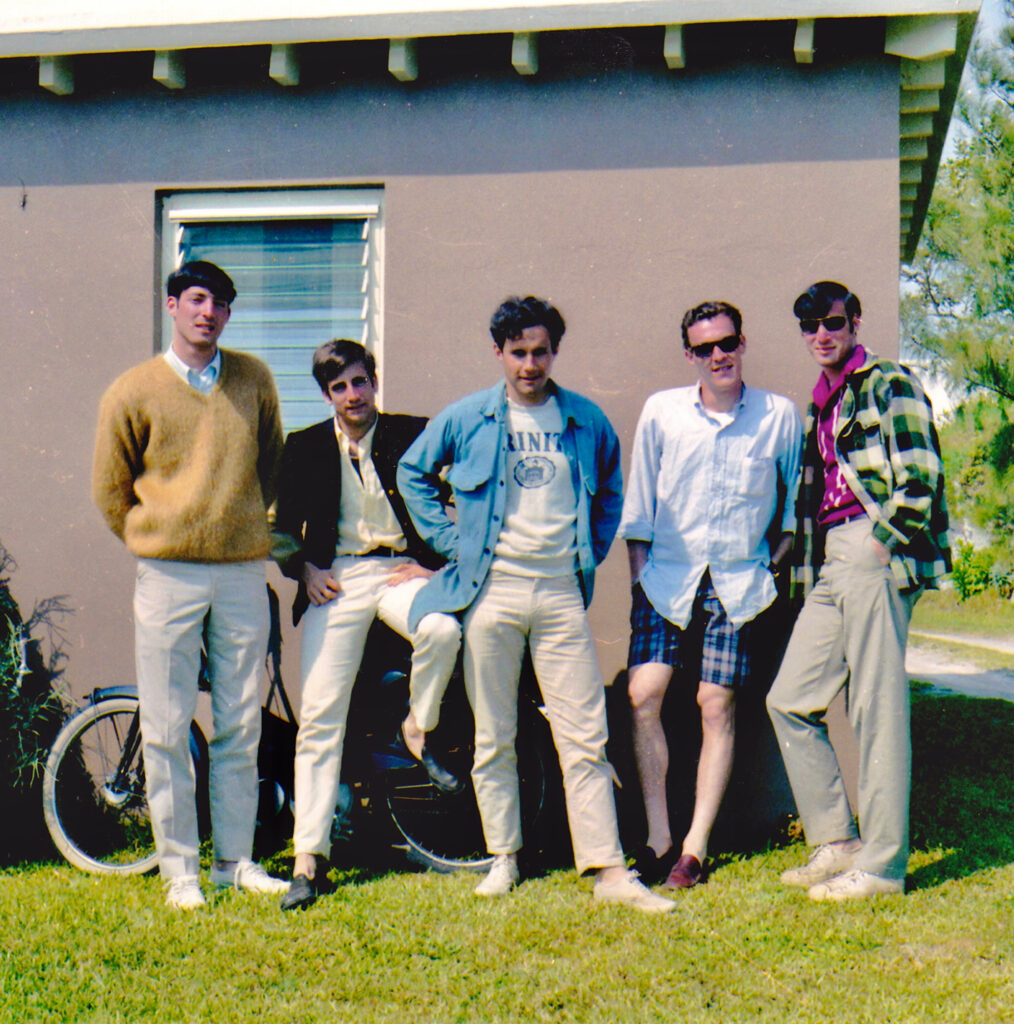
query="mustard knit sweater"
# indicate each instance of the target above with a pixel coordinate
(188, 477)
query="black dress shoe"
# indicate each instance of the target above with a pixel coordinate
(302, 893)
(440, 777)
(652, 869)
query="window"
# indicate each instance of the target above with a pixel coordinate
(307, 267)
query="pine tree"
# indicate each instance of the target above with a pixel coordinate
(958, 293)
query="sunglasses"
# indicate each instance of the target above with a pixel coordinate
(831, 323)
(727, 345)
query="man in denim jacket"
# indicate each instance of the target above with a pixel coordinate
(873, 523)
(535, 472)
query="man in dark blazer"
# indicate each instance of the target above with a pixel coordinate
(342, 531)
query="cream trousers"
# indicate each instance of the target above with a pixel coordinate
(550, 614)
(334, 635)
(171, 600)
(851, 633)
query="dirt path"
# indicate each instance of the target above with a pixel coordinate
(947, 672)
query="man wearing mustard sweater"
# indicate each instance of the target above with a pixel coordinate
(186, 457)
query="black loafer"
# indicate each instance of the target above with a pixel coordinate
(302, 893)
(652, 869)
(443, 779)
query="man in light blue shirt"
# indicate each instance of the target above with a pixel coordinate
(713, 476)
(535, 471)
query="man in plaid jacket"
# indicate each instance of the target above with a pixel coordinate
(873, 530)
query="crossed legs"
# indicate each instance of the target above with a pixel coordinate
(648, 685)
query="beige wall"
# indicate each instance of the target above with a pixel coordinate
(625, 199)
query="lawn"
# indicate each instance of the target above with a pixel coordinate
(985, 615)
(411, 947)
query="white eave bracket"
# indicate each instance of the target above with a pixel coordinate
(57, 75)
(672, 48)
(402, 61)
(802, 46)
(525, 53)
(284, 65)
(169, 69)
(923, 43)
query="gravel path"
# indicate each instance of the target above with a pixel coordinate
(949, 673)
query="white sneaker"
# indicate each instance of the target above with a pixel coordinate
(249, 877)
(855, 885)
(825, 862)
(633, 893)
(183, 892)
(502, 877)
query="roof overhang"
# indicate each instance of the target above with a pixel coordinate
(930, 38)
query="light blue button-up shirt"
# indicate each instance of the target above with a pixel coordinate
(201, 380)
(705, 491)
(469, 440)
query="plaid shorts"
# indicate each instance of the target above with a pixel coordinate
(724, 650)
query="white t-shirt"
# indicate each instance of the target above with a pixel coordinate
(539, 533)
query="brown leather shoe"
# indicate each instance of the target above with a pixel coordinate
(686, 873)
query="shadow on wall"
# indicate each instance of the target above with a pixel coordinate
(724, 117)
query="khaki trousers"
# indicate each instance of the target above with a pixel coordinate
(851, 633)
(550, 614)
(334, 635)
(171, 600)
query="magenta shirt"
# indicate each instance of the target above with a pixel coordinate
(839, 502)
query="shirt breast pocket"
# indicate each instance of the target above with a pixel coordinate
(758, 477)
(471, 476)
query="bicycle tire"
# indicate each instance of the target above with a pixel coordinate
(443, 831)
(93, 795)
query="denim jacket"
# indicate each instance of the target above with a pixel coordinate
(469, 439)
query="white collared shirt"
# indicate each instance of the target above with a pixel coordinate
(366, 519)
(200, 380)
(703, 492)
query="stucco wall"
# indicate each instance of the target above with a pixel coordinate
(625, 197)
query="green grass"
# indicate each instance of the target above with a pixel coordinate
(405, 947)
(986, 615)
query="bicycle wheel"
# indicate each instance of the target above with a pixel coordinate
(93, 794)
(443, 831)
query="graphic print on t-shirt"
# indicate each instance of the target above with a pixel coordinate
(532, 470)
(538, 535)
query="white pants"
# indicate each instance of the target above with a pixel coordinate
(551, 615)
(334, 635)
(171, 600)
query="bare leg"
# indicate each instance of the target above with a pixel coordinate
(305, 864)
(647, 686)
(414, 736)
(718, 732)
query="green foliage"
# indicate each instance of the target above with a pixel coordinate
(978, 449)
(31, 713)
(957, 303)
(980, 571)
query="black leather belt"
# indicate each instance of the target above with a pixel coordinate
(383, 553)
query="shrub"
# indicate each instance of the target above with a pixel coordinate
(31, 713)
(982, 570)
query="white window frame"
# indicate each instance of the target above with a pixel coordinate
(294, 203)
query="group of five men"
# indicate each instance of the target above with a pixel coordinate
(482, 529)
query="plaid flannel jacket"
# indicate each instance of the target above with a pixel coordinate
(889, 453)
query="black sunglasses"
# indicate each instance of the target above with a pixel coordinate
(831, 323)
(729, 344)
